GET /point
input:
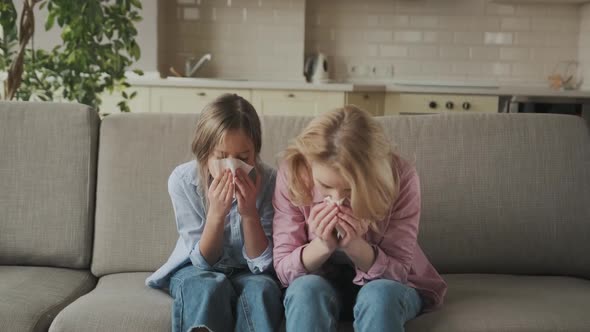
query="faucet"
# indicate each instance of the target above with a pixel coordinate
(190, 69)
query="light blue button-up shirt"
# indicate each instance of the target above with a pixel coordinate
(190, 214)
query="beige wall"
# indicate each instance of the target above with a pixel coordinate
(450, 40)
(250, 39)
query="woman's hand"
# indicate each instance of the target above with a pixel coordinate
(322, 219)
(220, 196)
(246, 193)
(354, 229)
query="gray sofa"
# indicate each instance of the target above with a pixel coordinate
(85, 216)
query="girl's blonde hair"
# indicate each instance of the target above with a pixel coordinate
(227, 112)
(353, 143)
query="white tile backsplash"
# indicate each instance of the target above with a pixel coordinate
(422, 39)
(408, 36)
(498, 38)
(515, 24)
(251, 39)
(458, 39)
(393, 51)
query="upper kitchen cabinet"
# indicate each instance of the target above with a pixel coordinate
(187, 100)
(296, 102)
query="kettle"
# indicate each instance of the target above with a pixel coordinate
(316, 68)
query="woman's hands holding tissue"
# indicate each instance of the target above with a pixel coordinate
(323, 218)
(353, 228)
(246, 193)
(220, 195)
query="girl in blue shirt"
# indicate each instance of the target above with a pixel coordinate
(219, 271)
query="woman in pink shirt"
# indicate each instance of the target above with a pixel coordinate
(346, 220)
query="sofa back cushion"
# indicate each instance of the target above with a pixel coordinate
(47, 183)
(135, 228)
(501, 193)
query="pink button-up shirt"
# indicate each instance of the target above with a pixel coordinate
(399, 257)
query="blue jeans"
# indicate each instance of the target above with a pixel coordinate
(312, 303)
(212, 300)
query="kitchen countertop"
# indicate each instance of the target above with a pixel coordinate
(215, 83)
(489, 91)
(467, 88)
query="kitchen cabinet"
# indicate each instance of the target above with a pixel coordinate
(416, 103)
(296, 102)
(140, 103)
(187, 100)
(372, 102)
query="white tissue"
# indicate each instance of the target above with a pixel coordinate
(339, 232)
(220, 165)
(339, 202)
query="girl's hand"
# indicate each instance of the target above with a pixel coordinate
(322, 220)
(220, 195)
(354, 229)
(246, 193)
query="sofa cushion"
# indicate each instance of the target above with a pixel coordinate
(120, 302)
(475, 302)
(30, 297)
(501, 193)
(135, 229)
(47, 171)
(509, 303)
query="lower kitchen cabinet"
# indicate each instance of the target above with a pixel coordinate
(416, 103)
(296, 102)
(372, 102)
(187, 100)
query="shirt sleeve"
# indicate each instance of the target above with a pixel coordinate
(263, 262)
(395, 251)
(290, 233)
(189, 218)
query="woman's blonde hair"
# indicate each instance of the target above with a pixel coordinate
(227, 112)
(353, 143)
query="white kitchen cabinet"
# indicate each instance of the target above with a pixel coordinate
(416, 103)
(187, 100)
(141, 102)
(372, 102)
(296, 102)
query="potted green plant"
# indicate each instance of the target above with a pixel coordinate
(98, 47)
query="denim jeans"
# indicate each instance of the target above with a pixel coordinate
(223, 302)
(314, 303)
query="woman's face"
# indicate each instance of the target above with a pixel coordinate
(329, 182)
(235, 144)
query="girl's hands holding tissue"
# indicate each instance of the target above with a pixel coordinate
(246, 193)
(220, 195)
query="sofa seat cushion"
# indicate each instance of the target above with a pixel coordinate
(120, 302)
(474, 302)
(30, 297)
(486, 302)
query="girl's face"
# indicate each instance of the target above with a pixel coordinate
(329, 182)
(235, 145)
